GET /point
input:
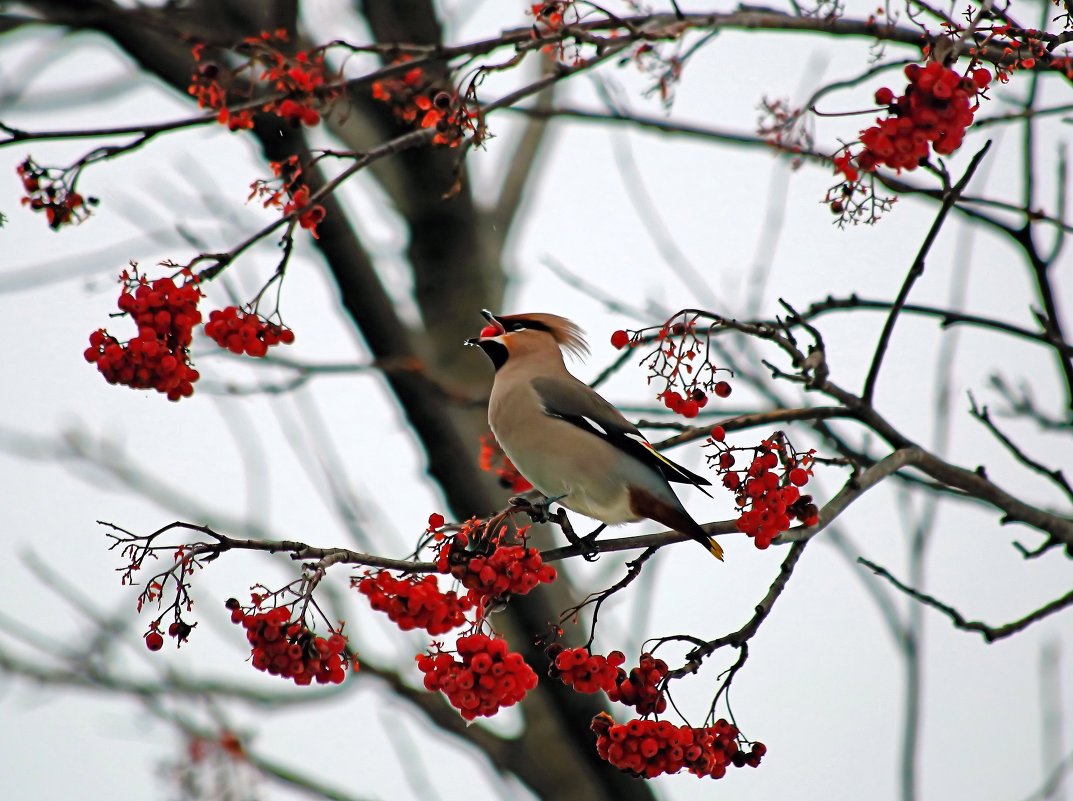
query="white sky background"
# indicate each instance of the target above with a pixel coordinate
(823, 686)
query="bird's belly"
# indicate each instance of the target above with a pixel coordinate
(579, 486)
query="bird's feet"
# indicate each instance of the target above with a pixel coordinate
(591, 550)
(587, 544)
(538, 512)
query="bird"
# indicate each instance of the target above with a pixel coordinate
(568, 441)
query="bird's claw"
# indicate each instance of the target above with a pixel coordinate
(590, 550)
(538, 512)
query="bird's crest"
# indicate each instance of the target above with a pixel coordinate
(566, 333)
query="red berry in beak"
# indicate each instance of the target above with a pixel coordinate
(489, 331)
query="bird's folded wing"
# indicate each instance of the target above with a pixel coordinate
(572, 401)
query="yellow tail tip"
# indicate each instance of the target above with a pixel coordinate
(714, 548)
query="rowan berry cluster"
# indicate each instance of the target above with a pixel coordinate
(769, 500)
(1024, 48)
(689, 406)
(786, 127)
(243, 332)
(47, 190)
(417, 99)
(287, 190)
(585, 672)
(937, 107)
(179, 630)
(304, 79)
(551, 15)
(488, 677)
(680, 362)
(159, 356)
(512, 569)
(650, 748)
(640, 688)
(932, 115)
(492, 459)
(415, 603)
(301, 79)
(284, 647)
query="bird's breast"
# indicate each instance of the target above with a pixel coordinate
(560, 459)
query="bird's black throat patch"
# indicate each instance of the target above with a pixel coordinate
(496, 351)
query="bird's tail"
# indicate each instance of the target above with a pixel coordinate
(710, 545)
(646, 504)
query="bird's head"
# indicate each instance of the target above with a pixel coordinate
(523, 336)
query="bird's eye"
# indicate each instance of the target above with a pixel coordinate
(516, 327)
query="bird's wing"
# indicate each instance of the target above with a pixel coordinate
(572, 401)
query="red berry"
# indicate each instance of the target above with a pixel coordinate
(504, 677)
(722, 389)
(489, 331)
(509, 569)
(719, 433)
(620, 339)
(798, 477)
(158, 357)
(884, 96)
(154, 641)
(435, 520)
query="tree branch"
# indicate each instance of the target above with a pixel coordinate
(989, 633)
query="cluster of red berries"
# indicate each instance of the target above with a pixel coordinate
(415, 603)
(488, 677)
(309, 216)
(640, 688)
(287, 191)
(179, 630)
(302, 78)
(932, 114)
(492, 459)
(53, 196)
(415, 99)
(769, 501)
(1024, 47)
(512, 569)
(585, 672)
(550, 14)
(287, 648)
(159, 356)
(650, 748)
(206, 88)
(242, 332)
(689, 406)
(684, 364)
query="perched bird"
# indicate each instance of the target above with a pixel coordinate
(569, 442)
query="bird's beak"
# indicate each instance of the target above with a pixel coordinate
(493, 321)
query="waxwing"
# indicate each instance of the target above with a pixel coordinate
(569, 442)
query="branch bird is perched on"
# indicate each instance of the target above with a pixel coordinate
(569, 442)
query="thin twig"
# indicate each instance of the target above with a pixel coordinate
(989, 633)
(915, 271)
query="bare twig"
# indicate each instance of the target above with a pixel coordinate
(988, 632)
(915, 271)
